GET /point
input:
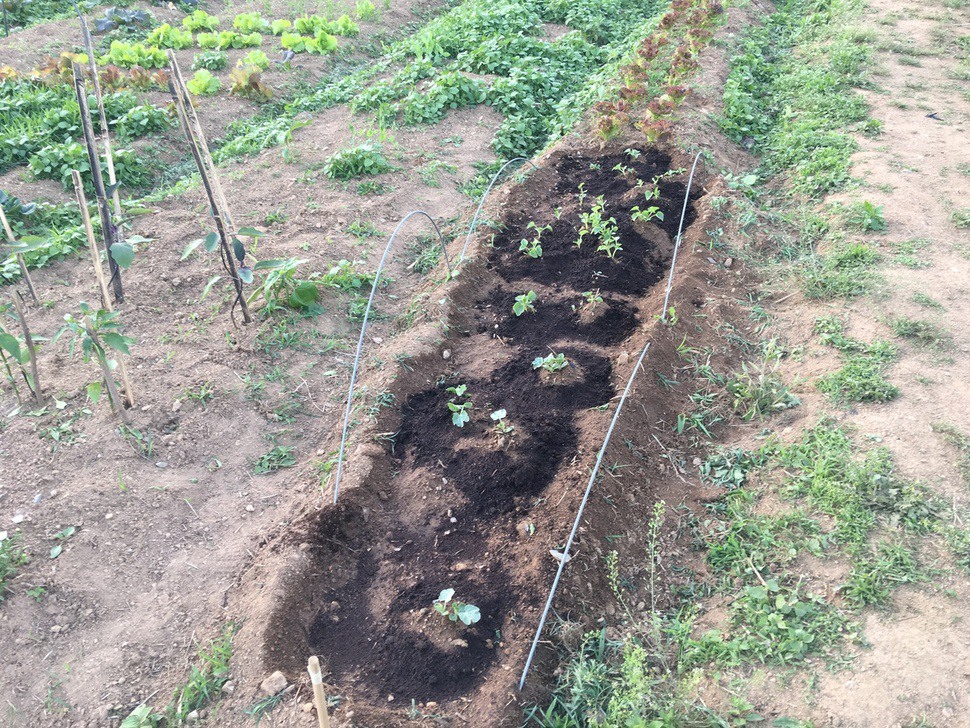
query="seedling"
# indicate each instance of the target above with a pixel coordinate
(647, 215)
(501, 426)
(533, 248)
(459, 410)
(524, 303)
(601, 228)
(551, 363)
(866, 216)
(444, 605)
(591, 299)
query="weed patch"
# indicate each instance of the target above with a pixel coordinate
(861, 378)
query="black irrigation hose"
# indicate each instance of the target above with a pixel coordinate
(363, 330)
(606, 441)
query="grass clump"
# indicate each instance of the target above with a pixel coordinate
(857, 494)
(203, 687)
(927, 302)
(845, 272)
(12, 557)
(876, 574)
(365, 159)
(758, 392)
(921, 332)
(279, 457)
(790, 93)
(960, 441)
(861, 378)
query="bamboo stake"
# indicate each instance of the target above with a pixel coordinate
(319, 698)
(99, 273)
(31, 349)
(92, 241)
(99, 99)
(108, 229)
(192, 129)
(109, 382)
(20, 257)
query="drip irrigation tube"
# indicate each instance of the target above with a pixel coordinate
(363, 330)
(471, 228)
(606, 441)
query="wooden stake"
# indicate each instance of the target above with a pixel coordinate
(319, 699)
(31, 349)
(192, 129)
(20, 257)
(99, 273)
(108, 229)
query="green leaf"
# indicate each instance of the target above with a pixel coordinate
(250, 232)
(190, 248)
(29, 243)
(304, 295)
(445, 595)
(116, 341)
(56, 551)
(94, 391)
(238, 250)
(469, 614)
(246, 274)
(135, 211)
(211, 242)
(208, 287)
(123, 254)
(10, 344)
(271, 264)
(757, 592)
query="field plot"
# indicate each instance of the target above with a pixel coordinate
(775, 533)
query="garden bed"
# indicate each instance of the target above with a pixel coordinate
(475, 509)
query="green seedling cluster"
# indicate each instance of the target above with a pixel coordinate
(447, 606)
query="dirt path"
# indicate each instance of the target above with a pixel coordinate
(918, 665)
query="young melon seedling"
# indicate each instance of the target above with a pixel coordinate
(456, 611)
(524, 303)
(501, 426)
(533, 248)
(551, 363)
(459, 410)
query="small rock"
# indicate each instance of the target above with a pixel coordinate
(459, 643)
(728, 262)
(229, 688)
(623, 358)
(378, 340)
(446, 354)
(274, 684)
(307, 707)
(108, 516)
(161, 464)
(176, 405)
(390, 698)
(56, 629)
(558, 555)
(334, 606)
(462, 566)
(192, 717)
(18, 518)
(250, 508)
